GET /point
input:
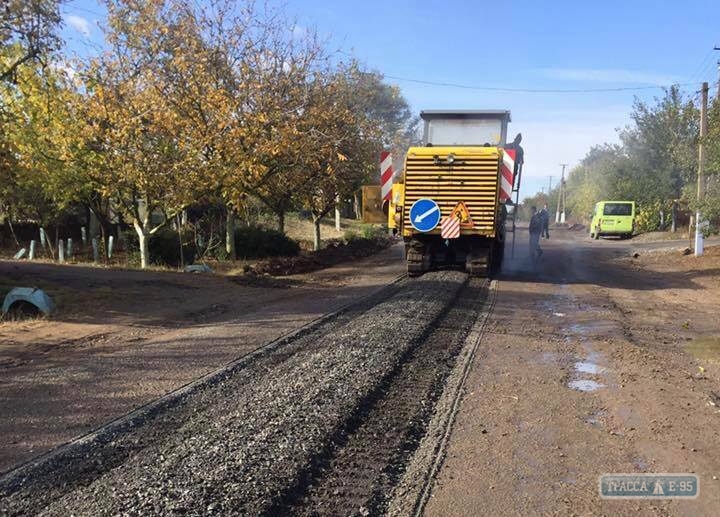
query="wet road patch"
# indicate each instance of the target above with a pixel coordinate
(585, 385)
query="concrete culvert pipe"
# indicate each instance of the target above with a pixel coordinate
(27, 301)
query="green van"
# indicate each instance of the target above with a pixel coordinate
(613, 218)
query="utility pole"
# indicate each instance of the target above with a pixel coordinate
(549, 184)
(560, 216)
(699, 222)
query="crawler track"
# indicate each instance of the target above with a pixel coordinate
(320, 423)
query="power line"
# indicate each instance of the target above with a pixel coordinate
(534, 90)
(709, 67)
(702, 65)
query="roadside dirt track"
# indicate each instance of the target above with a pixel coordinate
(527, 441)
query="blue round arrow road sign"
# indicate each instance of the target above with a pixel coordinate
(424, 214)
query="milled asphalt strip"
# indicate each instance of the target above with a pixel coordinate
(414, 490)
(15, 478)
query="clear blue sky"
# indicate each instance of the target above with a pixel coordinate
(568, 44)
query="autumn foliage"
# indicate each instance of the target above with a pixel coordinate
(191, 104)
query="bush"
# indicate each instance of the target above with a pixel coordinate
(647, 217)
(370, 231)
(164, 248)
(257, 242)
(350, 235)
(367, 232)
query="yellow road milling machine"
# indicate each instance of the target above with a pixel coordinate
(453, 200)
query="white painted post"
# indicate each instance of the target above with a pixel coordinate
(699, 221)
(20, 254)
(96, 252)
(337, 214)
(61, 251)
(699, 237)
(32, 250)
(83, 235)
(111, 240)
(43, 237)
(69, 247)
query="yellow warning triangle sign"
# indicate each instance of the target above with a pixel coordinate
(461, 212)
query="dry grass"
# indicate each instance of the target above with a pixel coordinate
(302, 230)
(675, 259)
(661, 236)
(703, 270)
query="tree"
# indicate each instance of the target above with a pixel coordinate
(140, 159)
(234, 77)
(278, 146)
(384, 104)
(340, 145)
(653, 165)
(28, 33)
(194, 53)
(662, 147)
(39, 135)
(712, 140)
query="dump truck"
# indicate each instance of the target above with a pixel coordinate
(452, 200)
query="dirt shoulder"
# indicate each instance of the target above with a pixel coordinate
(638, 335)
(122, 338)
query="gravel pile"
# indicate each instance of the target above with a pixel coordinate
(238, 446)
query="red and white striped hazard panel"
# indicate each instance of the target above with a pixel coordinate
(386, 174)
(450, 227)
(507, 174)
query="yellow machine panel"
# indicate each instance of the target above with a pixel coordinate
(394, 208)
(450, 175)
(372, 209)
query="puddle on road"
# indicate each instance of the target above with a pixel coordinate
(707, 347)
(588, 367)
(585, 385)
(591, 327)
